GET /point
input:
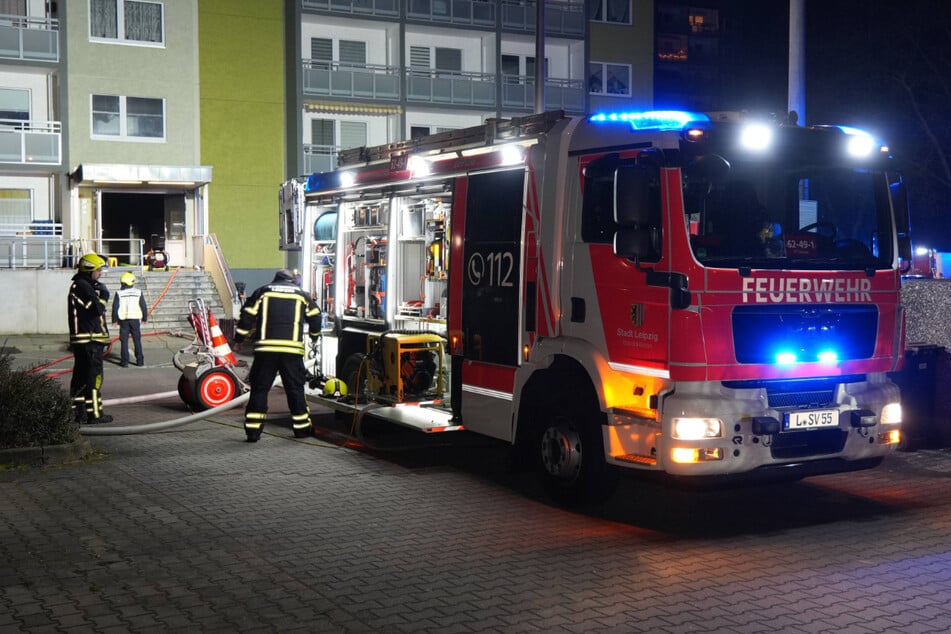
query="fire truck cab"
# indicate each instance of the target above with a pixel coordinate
(702, 296)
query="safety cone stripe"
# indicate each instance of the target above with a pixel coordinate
(218, 342)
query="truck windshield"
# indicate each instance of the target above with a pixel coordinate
(781, 215)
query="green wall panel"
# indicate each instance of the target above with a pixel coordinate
(242, 125)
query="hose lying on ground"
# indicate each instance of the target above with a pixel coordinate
(163, 425)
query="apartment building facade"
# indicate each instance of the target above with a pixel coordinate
(366, 72)
(31, 112)
(135, 178)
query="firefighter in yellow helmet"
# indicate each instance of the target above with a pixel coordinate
(129, 310)
(273, 317)
(88, 337)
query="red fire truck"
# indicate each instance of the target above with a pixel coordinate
(703, 296)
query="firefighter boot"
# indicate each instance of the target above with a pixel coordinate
(302, 425)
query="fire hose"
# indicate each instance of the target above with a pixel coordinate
(162, 425)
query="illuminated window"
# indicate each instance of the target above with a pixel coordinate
(703, 20)
(671, 47)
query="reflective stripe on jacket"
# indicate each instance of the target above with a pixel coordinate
(274, 318)
(86, 310)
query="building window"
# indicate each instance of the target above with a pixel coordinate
(611, 11)
(132, 118)
(704, 20)
(14, 105)
(129, 21)
(350, 52)
(353, 134)
(609, 79)
(16, 207)
(447, 59)
(671, 47)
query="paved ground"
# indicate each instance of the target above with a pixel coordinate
(194, 529)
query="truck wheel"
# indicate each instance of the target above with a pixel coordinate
(570, 451)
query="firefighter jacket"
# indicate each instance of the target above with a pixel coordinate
(274, 316)
(87, 310)
(129, 303)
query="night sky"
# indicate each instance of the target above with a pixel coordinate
(880, 65)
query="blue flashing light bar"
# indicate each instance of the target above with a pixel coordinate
(789, 357)
(314, 182)
(652, 119)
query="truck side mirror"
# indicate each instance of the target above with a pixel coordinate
(633, 195)
(899, 195)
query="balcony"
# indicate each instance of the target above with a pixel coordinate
(320, 158)
(562, 17)
(338, 79)
(467, 13)
(450, 87)
(29, 39)
(518, 93)
(30, 142)
(360, 8)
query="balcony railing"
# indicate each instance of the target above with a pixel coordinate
(320, 158)
(30, 142)
(461, 12)
(450, 87)
(518, 92)
(378, 8)
(562, 17)
(37, 244)
(32, 39)
(337, 79)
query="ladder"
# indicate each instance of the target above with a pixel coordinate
(489, 133)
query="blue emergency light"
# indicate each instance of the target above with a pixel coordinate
(788, 357)
(651, 119)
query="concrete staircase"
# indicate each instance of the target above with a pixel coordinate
(170, 314)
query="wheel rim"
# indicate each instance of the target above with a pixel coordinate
(217, 388)
(561, 452)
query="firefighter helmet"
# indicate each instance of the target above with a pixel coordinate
(335, 388)
(91, 262)
(127, 278)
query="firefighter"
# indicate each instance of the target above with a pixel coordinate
(273, 318)
(88, 337)
(129, 310)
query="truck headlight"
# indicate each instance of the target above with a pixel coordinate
(891, 414)
(697, 428)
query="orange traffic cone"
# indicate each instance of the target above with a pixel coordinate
(218, 342)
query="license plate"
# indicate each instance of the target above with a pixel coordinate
(814, 419)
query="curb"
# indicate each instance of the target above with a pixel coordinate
(45, 456)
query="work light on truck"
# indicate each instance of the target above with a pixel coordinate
(756, 137)
(891, 414)
(697, 428)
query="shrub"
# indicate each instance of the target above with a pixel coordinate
(34, 410)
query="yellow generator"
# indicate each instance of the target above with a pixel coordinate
(405, 366)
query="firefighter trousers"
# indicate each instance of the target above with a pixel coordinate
(130, 328)
(86, 382)
(264, 368)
